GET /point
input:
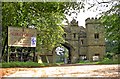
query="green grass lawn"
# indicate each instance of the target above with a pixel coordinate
(35, 64)
(27, 64)
(105, 61)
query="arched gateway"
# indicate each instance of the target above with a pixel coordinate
(71, 53)
(83, 43)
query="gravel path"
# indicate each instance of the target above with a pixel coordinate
(64, 71)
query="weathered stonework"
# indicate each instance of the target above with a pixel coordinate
(83, 43)
(87, 42)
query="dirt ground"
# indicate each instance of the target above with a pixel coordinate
(63, 71)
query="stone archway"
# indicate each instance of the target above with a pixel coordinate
(71, 52)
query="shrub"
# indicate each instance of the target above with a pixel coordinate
(108, 61)
(26, 64)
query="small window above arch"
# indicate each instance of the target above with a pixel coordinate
(74, 35)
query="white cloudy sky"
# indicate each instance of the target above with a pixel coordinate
(91, 12)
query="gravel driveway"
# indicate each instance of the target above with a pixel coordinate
(64, 71)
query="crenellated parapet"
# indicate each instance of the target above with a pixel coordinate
(92, 21)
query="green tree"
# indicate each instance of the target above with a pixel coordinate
(111, 20)
(46, 17)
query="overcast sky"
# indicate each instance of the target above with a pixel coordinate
(89, 13)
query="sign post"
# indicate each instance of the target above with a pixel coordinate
(8, 54)
(33, 41)
(21, 37)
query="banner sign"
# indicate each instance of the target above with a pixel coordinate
(21, 37)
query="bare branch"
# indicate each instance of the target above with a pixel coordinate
(98, 3)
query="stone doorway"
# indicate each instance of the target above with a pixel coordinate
(70, 52)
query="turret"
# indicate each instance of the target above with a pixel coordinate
(74, 23)
(95, 38)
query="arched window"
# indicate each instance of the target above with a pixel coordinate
(82, 42)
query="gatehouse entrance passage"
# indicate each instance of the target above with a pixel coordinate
(63, 53)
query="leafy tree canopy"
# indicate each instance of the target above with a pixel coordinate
(111, 20)
(46, 17)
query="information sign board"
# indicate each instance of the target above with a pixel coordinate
(21, 37)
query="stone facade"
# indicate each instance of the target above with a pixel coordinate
(88, 42)
(83, 43)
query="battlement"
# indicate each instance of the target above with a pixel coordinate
(74, 22)
(92, 21)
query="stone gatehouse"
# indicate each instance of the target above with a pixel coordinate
(83, 43)
(88, 41)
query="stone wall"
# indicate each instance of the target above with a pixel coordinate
(83, 42)
(89, 41)
(95, 39)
